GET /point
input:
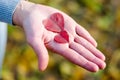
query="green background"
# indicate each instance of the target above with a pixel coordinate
(100, 17)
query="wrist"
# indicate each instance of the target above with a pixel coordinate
(22, 10)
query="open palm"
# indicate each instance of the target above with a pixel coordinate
(79, 48)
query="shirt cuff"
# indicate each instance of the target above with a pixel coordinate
(7, 8)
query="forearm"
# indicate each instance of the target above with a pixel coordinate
(22, 10)
(7, 8)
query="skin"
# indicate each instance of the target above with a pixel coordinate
(80, 49)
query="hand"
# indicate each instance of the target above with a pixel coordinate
(80, 49)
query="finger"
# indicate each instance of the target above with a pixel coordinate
(83, 33)
(73, 56)
(41, 52)
(87, 54)
(90, 47)
(77, 59)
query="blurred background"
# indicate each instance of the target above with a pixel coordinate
(100, 17)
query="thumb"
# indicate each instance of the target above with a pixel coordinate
(42, 54)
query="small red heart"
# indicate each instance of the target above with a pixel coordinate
(62, 37)
(51, 26)
(65, 35)
(58, 19)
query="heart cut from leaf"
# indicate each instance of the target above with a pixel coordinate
(65, 35)
(58, 19)
(51, 26)
(62, 37)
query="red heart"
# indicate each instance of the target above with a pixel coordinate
(62, 37)
(58, 19)
(51, 26)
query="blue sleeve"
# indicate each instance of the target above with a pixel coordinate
(7, 8)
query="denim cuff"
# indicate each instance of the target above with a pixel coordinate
(7, 8)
